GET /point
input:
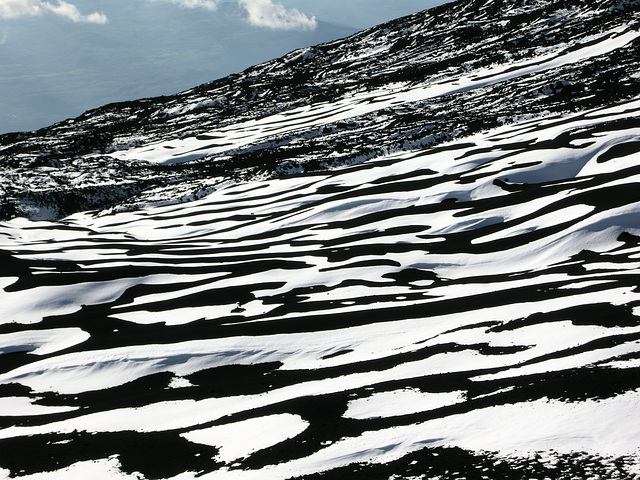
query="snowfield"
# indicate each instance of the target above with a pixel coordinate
(496, 289)
(463, 306)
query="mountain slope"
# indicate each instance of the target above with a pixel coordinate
(439, 47)
(416, 259)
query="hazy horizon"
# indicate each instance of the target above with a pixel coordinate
(60, 59)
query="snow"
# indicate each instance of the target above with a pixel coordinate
(238, 440)
(400, 402)
(42, 342)
(178, 316)
(179, 382)
(255, 131)
(573, 361)
(519, 429)
(56, 300)
(543, 221)
(22, 406)
(509, 429)
(46, 301)
(64, 377)
(104, 469)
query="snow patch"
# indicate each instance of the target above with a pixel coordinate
(239, 440)
(400, 402)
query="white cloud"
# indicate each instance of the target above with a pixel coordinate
(71, 12)
(31, 8)
(206, 4)
(19, 8)
(262, 13)
(265, 13)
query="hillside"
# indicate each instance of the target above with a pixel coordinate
(411, 253)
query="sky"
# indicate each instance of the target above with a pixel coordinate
(59, 58)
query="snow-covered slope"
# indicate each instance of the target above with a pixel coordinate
(422, 80)
(444, 284)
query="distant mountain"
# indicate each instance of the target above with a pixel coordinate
(142, 51)
(411, 253)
